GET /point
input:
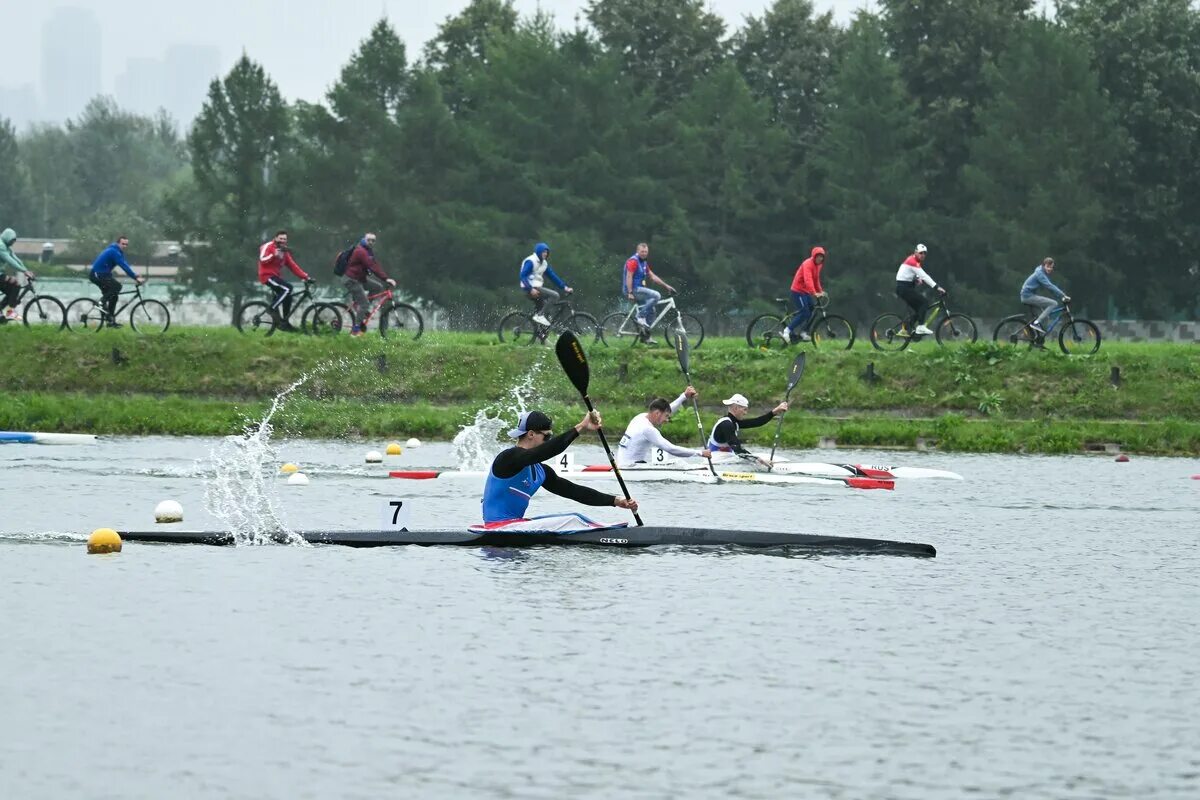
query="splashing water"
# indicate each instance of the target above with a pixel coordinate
(476, 445)
(240, 491)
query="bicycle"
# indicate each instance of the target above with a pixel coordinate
(888, 333)
(1077, 336)
(397, 320)
(620, 324)
(766, 330)
(519, 326)
(257, 316)
(145, 315)
(40, 310)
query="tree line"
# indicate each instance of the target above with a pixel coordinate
(991, 134)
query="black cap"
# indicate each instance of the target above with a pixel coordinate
(531, 421)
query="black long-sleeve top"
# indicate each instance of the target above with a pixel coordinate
(515, 459)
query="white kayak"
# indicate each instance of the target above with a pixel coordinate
(37, 437)
(659, 474)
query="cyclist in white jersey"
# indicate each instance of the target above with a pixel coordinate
(642, 435)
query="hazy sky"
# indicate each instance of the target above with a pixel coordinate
(302, 43)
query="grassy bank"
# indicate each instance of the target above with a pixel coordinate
(977, 397)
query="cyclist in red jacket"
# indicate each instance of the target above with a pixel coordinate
(272, 258)
(805, 286)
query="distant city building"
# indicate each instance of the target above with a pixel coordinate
(19, 105)
(71, 44)
(177, 82)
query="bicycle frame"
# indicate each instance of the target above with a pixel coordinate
(136, 291)
(819, 313)
(668, 302)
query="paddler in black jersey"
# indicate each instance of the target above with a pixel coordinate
(518, 472)
(725, 436)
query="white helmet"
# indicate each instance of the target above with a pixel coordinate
(922, 248)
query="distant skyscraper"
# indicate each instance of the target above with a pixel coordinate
(178, 82)
(70, 62)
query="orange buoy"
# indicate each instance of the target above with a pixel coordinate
(1121, 459)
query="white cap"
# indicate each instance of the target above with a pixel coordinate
(922, 248)
(737, 400)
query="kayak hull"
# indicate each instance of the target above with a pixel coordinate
(625, 537)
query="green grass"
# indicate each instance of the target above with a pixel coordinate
(975, 397)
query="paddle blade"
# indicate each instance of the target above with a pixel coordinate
(574, 360)
(796, 373)
(683, 352)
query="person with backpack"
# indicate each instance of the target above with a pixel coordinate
(272, 258)
(360, 264)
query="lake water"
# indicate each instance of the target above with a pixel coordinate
(1051, 650)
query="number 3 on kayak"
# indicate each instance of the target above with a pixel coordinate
(394, 515)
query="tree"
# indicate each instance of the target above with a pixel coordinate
(232, 205)
(97, 230)
(1036, 172)
(462, 44)
(55, 196)
(14, 183)
(868, 181)
(665, 47)
(1147, 56)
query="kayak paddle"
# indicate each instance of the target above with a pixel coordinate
(794, 376)
(575, 364)
(683, 352)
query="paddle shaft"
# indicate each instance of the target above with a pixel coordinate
(699, 424)
(612, 462)
(787, 396)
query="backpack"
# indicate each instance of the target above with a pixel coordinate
(343, 260)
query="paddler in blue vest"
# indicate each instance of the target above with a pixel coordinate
(518, 472)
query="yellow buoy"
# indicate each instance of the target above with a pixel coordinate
(394, 449)
(289, 468)
(104, 540)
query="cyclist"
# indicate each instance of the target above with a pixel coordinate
(911, 273)
(9, 286)
(724, 435)
(273, 256)
(805, 285)
(643, 434)
(1040, 279)
(534, 271)
(633, 285)
(361, 265)
(101, 274)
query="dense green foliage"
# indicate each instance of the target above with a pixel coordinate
(992, 135)
(972, 397)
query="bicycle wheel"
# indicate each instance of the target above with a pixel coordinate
(763, 332)
(45, 311)
(617, 326)
(956, 328)
(257, 318)
(516, 327)
(1080, 337)
(401, 321)
(150, 316)
(583, 325)
(325, 319)
(885, 333)
(833, 330)
(686, 324)
(1013, 331)
(83, 314)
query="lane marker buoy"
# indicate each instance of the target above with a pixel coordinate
(104, 540)
(297, 479)
(374, 457)
(289, 468)
(1121, 459)
(168, 511)
(394, 449)
(413, 442)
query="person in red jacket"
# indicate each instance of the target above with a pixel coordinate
(806, 285)
(272, 258)
(362, 264)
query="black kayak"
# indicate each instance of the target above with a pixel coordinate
(645, 536)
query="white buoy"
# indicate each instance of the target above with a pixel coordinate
(413, 442)
(297, 479)
(168, 511)
(374, 457)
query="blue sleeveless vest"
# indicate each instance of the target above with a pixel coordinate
(509, 498)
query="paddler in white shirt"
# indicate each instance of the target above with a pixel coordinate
(642, 435)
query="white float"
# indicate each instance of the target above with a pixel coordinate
(168, 511)
(413, 442)
(297, 479)
(374, 457)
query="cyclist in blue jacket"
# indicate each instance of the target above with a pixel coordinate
(101, 274)
(1040, 279)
